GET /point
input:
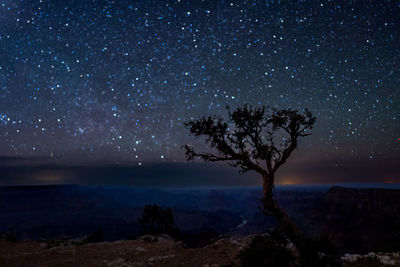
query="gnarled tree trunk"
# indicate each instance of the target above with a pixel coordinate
(271, 207)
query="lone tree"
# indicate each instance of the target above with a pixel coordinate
(156, 220)
(255, 139)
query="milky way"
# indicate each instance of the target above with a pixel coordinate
(115, 80)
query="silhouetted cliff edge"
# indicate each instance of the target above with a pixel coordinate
(360, 219)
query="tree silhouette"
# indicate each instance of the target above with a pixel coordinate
(156, 220)
(255, 139)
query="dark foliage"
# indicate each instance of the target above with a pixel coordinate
(156, 220)
(269, 250)
(322, 246)
(257, 139)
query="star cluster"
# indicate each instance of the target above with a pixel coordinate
(115, 80)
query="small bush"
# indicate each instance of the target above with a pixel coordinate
(269, 250)
(320, 251)
(156, 220)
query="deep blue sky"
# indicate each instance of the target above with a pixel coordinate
(94, 82)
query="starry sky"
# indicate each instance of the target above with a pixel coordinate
(112, 82)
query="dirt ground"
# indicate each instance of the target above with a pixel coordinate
(119, 253)
(146, 251)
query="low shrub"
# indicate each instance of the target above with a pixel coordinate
(266, 250)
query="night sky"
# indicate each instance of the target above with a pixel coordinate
(112, 82)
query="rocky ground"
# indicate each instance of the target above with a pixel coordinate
(372, 259)
(145, 251)
(148, 251)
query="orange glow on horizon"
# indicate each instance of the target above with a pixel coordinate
(288, 180)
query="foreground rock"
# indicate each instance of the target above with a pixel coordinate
(371, 259)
